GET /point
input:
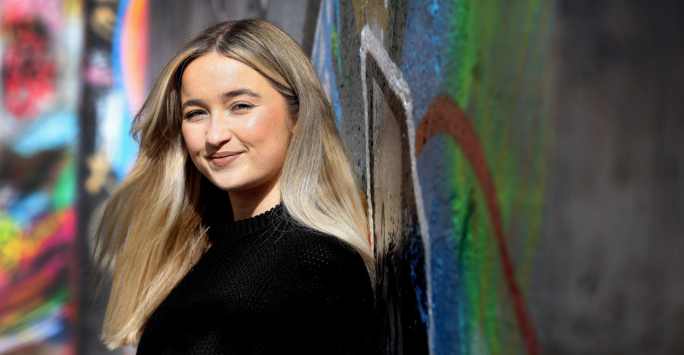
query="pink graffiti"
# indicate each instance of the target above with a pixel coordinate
(28, 69)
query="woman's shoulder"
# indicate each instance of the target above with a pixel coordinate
(319, 266)
(316, 248)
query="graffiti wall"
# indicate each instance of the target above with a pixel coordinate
(114, 84)
(521, 161)
(40, 50)
(439, 134)
(64, 133)
(444, 108)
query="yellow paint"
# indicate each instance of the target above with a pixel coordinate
(12, 243)
(102, 21)
(98, 168)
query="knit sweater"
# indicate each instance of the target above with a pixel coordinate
(268, 285)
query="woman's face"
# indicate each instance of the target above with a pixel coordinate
(235, 125)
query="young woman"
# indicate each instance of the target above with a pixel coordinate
(241, 228)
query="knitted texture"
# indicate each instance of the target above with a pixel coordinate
(268, 285)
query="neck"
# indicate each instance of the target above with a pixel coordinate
(254, 201)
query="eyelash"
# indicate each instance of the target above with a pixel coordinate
(194, 113)
(246, 106)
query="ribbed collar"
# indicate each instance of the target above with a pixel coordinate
(234, 230)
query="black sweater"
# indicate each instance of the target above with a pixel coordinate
(268, 286)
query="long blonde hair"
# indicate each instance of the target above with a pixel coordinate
(152, 229)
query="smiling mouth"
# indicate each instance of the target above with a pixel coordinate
(223, 160)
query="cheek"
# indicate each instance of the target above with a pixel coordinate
(268, 135)
(192, 137)
(268, 127)
(257, 128)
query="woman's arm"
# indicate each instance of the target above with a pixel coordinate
(336, 299)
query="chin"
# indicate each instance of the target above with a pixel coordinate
(227, 184)
(231, 183)
(225, 180)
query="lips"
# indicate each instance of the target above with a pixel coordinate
(222, 155)
(222, 159)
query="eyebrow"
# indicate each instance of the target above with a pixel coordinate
(225, 96)
(240, 91)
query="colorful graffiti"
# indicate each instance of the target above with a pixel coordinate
(114, 86)
(465, 216)
(40, 128)
(40, 50)
(441, 102)
(117, 61)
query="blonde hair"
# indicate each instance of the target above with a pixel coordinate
(153, 227)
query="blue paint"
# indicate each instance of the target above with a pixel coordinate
(423, 60)
(27, 209)
(433, 8)
(424, 52)
(128, 150)
(113, 133)
(122, 154)
(50, 131)
(448, 289)
(424, 55)
(322, 55)
(117, 65)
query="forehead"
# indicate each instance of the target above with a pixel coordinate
(212, 74)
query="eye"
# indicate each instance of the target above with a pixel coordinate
(241, 106)
(194, 114)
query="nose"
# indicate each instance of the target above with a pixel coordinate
(218, 131)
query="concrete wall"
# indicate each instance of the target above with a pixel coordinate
(607, 270)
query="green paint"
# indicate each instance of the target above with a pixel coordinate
(8, 229)
(462, 52)
(334, 40)
(41, 311)
(496, 71)
(65, 188)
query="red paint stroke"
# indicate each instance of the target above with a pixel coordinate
(33, 289)
(29, 70)
(444, 116)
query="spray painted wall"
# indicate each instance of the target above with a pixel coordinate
(443, 107)
(522, 161)
(113, 81)
(64, 134)
(39, 53)
(430, 127)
